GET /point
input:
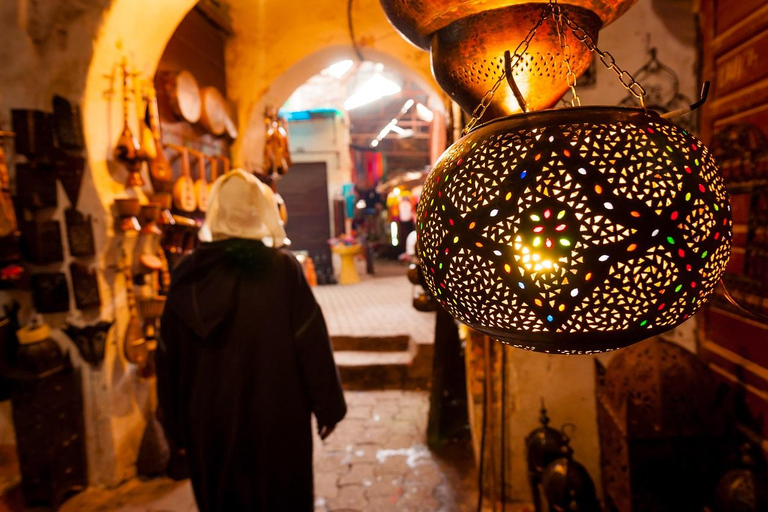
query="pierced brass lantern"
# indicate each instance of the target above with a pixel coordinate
(574, 231)
(466, 39)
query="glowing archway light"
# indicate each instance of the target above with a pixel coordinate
(338, 69)
(374, 89)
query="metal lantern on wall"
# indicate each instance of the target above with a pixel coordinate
(577, 230)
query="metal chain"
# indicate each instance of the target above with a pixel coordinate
(479, 111)
(565, 48)
(626, 79)
(554, 9)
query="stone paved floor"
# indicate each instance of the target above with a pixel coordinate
(378, 306)
(375, 461)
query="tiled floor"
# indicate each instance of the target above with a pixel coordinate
(378, 306)
(375, 461)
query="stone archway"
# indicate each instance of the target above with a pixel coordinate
(249, 147)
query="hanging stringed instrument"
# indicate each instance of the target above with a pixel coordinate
(127, 148)
(134, 343)
(147, 148)
(184, 197)
(159, 167)
(214, 172)
(201, 184)
(225, 163)
(8, 223)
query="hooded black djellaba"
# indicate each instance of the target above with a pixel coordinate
(243, 362)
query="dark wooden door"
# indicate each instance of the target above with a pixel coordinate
(305, 192)
(735, 125)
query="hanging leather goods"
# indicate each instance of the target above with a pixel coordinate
(135, 347)
(36, 186)
(127, 147)
(277, 158)
(184, 198)
(68, 124)
(127, 210)
(70, 169)
(34, 133)
(8, 223)
(79, 234)
(41, 242)
(159, 167)
(50, 293)
(90, 340)
(85, 285)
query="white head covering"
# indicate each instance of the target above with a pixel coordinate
(240, 206)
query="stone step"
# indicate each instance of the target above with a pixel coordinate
(371, 343)
(369, 370)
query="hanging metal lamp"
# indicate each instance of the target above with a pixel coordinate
(467, 38)
(577, 230)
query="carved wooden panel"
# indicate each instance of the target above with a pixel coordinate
(734, 35)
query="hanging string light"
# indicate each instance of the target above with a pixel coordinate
(578, 230)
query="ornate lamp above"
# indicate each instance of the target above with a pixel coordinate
(577, 230)
(467, 38)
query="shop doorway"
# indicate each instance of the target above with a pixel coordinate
(305, 189)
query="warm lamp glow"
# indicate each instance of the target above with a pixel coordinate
(574, 231)
(339, 69)
(374, 89)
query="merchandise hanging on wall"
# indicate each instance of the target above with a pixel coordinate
(277, 156)
(8, 223)
(90, 341)
(34, 133)
(662, 91)
(127, 149)
(183, 95)
(135, 347)
(79, 234)
(184, 198)
(68, 123)
(201, 182)
(50, 293)
(36, 185)
(159, 167)
(85, 286)
(70, 169)
(577, 230)
(127, 209)
(41, 242)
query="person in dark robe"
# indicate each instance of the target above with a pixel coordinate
(244, 360)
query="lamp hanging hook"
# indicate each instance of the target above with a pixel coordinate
(511, 81)
(693, 106)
